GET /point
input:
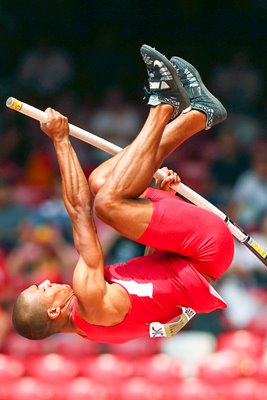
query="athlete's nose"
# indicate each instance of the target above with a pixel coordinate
(45, 283)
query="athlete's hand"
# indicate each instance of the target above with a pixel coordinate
(171, 179)
(56, 126)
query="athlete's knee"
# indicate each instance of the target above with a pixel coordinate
(106, 207)
(96, 181)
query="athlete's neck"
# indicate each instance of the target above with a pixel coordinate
(69, 326)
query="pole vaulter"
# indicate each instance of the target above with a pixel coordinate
(180, 188)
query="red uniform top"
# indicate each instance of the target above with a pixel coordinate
(157, 285)
(190, 241)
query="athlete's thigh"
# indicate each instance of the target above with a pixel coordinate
(190, 231)
(130, 217)
(173, 227)
(178, 226)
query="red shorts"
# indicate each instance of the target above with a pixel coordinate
(190, 231)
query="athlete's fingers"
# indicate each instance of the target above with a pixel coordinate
(56, 124)
(165, 170)
(176, 178)
(172, 178)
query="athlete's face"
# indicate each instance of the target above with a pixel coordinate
(49, 294)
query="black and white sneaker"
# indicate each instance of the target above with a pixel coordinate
(164, 83)
(201, 99)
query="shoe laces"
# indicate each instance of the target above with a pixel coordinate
(147, 93)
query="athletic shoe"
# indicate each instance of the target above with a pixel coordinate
(201, 99)
(164, 83)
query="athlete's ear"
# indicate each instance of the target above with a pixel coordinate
(53, 312)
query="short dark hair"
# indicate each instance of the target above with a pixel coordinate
(30, 319)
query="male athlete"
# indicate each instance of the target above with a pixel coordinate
(194, 247)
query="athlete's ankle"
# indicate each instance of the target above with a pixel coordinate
(200, 119)
(165, 106)
(197, 118)
(162, 109)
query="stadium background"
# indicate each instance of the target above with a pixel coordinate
(83, 58)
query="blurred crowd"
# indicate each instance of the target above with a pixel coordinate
(227, 165)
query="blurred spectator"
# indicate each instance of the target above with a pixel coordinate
(6, 298)
(36, 181)
(40, 169)
(248, 130)
(4, 275)
(41, 254)
(238, 84)
(14, 149)
(5, 325)
(45, 69)
(246, 265)
(244, 285)
(53, 212)
(244, 304)
(248, 200)
(229, 163)
(12, 215)
(116, 121)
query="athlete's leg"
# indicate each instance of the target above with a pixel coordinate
(207, 111)
(193, 232)
(175, 133)
(117, 201)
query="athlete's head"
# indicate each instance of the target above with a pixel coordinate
(42, 310)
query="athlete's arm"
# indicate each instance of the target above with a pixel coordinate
(89, 284)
